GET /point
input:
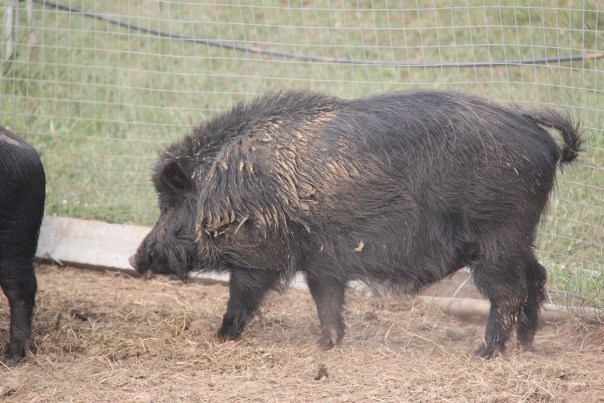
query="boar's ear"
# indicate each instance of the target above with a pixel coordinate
(175, 177)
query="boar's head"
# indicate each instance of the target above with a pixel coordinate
(228, 208)
(170, 246)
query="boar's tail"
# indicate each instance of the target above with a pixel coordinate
(570, 130)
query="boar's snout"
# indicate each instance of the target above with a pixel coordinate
(137, 265)
(132, 261)
(165, 253)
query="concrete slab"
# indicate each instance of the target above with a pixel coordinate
(89, 243)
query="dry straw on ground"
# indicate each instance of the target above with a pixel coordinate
(104, 336)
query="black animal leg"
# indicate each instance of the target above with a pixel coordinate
(247, 288)
(528, 319)
(19, 285)
(498, 281)
(328, 294)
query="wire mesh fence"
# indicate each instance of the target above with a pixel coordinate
(101, 87)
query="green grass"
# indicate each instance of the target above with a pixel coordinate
(100, 102)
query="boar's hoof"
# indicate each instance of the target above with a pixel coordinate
(334, 337)
(231, 329)
(488, 352)
(326, 344)
(227, 335)
(11, 360)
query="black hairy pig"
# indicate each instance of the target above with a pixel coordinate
(22, 193)
(400, 189)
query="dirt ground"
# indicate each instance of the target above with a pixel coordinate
(106, 336)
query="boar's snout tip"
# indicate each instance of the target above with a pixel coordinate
(132, 261)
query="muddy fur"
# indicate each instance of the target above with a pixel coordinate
(399, 188)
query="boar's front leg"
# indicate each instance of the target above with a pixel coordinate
(247, 288)
(328, 294)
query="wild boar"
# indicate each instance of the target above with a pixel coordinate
(401, 189)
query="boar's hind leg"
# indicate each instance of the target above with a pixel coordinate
(528, 319)
(19, 285)
(502, 282)
(246, 290)
(328, 294)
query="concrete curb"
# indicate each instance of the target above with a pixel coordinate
(89, 243)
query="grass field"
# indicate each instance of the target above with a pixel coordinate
(100, 101)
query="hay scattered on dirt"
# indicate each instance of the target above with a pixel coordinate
(107, 336)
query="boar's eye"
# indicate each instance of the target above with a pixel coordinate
(176, 178)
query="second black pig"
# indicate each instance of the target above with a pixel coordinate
(399, 188)
(22, 192)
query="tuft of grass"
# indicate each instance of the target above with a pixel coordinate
(101, 101)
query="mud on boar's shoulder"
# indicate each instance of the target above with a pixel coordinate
(400, 188)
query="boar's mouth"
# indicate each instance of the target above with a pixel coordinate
(178, 260)
(136, 265)
(132, 261)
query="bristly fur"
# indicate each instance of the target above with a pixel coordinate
(399, 188)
